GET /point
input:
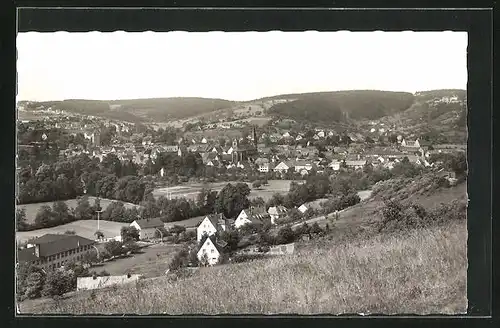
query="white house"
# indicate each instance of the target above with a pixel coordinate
(209, 251)
(147, 227)
(359, 164)
(204, 140)
(265, 167)
(410, 143)
(282, 167)
(250, 215)
(334, 165)
(276, 212)
(303, 208)
(302, 165)
(211, 224)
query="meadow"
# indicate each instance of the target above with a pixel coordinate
(152, 261)
(420, 272)
(32, 209)
(84, 228)
(190, 191)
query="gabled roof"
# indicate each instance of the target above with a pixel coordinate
(149, 223)
(280, 209)
(214, 218)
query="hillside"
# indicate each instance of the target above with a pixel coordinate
(342, 105)
(357, 268)
(139, 110)
(433, 112)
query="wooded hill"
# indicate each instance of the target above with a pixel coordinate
(139, 110)
(342, 105)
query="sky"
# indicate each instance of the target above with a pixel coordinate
(235, 66)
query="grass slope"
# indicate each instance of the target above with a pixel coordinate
(422, 272)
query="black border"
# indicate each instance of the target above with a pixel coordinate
(478, 23)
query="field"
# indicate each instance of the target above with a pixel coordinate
(152, 262)
(422, 272)
(32, 209)
(84, 228)
(190, 191)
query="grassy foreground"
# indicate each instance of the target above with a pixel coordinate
(420, 272)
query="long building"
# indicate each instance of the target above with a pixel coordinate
(53, 251)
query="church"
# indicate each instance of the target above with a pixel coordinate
(246, 152)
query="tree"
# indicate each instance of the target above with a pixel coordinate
(34, 284)
(256, 184)
(58, 282)
(21, 219)
(231, 237)
(60, 212)
(98, 234)
(285, 235)
(129, 233)
(177, 229)
(90, 258)
(232, 199)
(114, 248)
(315, 228)
(44, 217)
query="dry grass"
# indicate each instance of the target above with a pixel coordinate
(421, 272)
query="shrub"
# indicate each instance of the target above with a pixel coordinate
(285, 235)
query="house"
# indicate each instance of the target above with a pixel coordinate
(147, 227)
(276, 212)
(266, 167)
(52, 251)
(334, 165)
(210, 252)
(410, 143)
(357, 164)
(171, 148)
(303, 167)
(212, 224)
(283, 167)
(251, 215)
(303, 208)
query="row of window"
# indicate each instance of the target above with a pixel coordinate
(64, 254)
(58, 264)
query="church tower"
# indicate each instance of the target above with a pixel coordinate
(235, 151)
(255, 141)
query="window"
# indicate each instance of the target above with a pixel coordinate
(212, 250)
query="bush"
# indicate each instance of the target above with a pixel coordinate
(257, 184)
(240, 258)
(285, 235)
(180, 260)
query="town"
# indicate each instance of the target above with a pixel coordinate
(145, 201)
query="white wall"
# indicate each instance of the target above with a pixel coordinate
(83, 283)
(205, 226)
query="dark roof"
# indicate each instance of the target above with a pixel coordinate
(150, 223)
(51, 244)
(214, 218)
(26, 255)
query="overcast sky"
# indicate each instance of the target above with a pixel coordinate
(235, 66)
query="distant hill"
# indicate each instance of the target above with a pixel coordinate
(139, 110)
(341, 105)
(434, 112)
